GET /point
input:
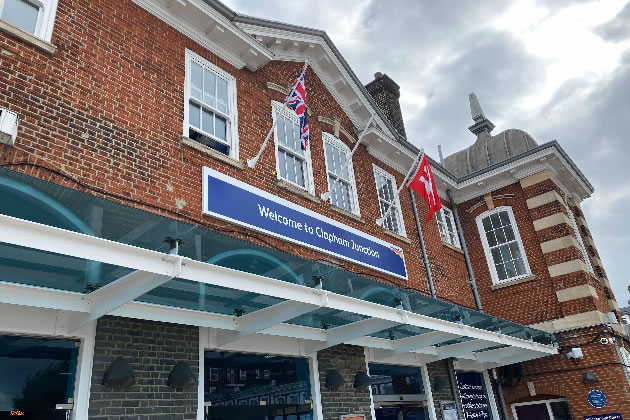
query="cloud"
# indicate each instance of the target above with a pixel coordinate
(618, 28)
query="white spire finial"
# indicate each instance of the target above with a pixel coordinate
(475, 108)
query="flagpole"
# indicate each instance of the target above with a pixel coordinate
(381, 220)
(254, 161)
(326, 195)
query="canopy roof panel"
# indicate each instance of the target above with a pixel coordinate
(109, 255)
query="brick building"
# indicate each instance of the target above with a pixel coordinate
(148, 272)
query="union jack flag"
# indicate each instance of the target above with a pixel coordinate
(297, 102)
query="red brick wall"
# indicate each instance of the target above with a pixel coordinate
(107, 110)
(561, 377)
(533, 301)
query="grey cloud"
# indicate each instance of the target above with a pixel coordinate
(618, 28)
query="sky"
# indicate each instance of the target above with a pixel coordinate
(558, 69)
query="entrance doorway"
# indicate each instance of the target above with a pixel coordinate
(557, 409)
(240, 386)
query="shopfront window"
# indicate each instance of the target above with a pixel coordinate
(36, 375)
(398, 393)
(282, 392)
(542, 410)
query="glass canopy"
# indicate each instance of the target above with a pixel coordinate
(43, 202)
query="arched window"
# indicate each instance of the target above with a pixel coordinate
(502, 245)
(340, 174)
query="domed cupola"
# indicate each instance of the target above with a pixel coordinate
(487, 150)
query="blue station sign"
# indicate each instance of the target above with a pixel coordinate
(237, 202)
(609, 416)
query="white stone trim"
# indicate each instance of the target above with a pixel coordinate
(543, 199)
(567, 267)
(559, 243)
(576, 292)
(553, 220)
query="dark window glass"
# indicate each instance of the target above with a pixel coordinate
(36, 375)
(283, 392)
(561, 410)
(390, 380)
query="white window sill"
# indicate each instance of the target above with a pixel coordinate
(346, 213)
(285, 185)
(397, 236)
(211, 152)
(27, 37)
(453, 247)
(513, 282)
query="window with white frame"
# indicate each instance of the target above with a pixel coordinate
(36, 17)
(388, 197)
(340, 173)
(446, 225)
(292, 163)
(502, 245)
(624, 355)
(210, 113)
(578, 236)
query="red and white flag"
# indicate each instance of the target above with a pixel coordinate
(422, 183)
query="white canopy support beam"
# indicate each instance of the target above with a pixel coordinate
(521, 357)
(463, 348)
(127, 288)
(497, 354)
(350, 332)
(261, 320)
(420, 343)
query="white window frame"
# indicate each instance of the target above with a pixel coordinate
(540, 402)
(341, 146)
(45, 17)
(624, 358)
(445, 213)
(486, 246)
(232, 116)
(578, 236)
(309, 185)
(379, 171)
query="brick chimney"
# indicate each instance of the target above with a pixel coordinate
(386, 94)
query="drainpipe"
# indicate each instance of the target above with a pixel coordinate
(456, 396)
(500, 394)
(424, 250)
(462, 241)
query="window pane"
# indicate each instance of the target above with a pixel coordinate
(509, 233)
(516, 251)
(196, 80)
(291, 168)
(496, 256)
(492, 241)
(329, 157)
(438, 215)
(21, 14)
(299, 173)
(487, 226)
(296, 139)
(37, 374)
(209, 88)
(505, 253)
(501, 272)
(193, 115)
(510, 269)
(500, 235)
(494, 218)
(220, 127)
(207, 119)
(561, 410)
(520, 266)
(505, 218)
(282, 163)
(449, 225)
(280, 131)
(222, 95)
